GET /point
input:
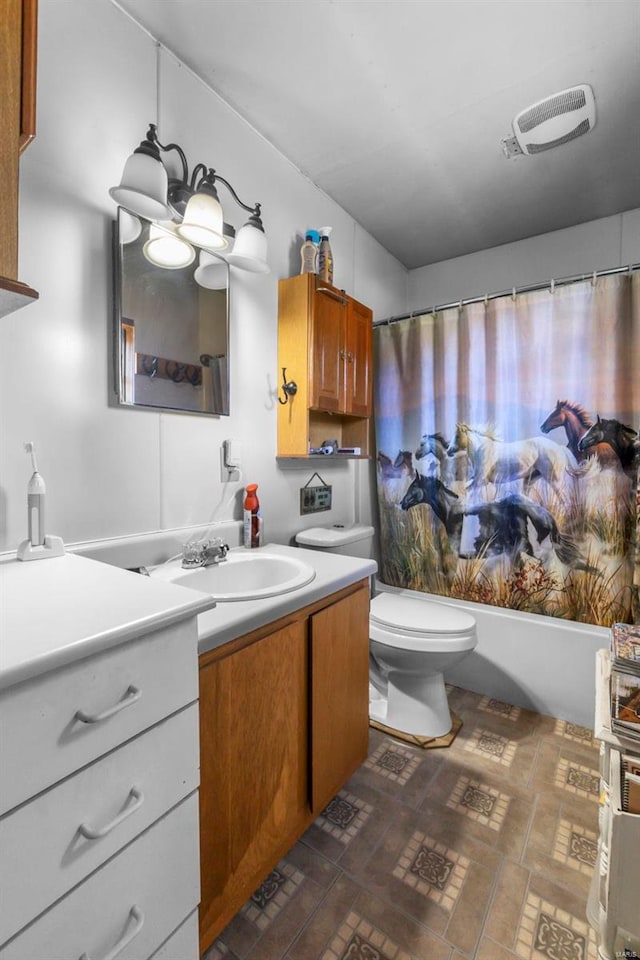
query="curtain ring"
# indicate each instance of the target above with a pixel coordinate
(594, 278)
(486, 300)
(513, 293)
(552, 287)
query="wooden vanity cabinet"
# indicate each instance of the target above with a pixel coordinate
(283, 724)
(18, 40)
(325, 345)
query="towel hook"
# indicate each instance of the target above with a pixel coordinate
(289, 387)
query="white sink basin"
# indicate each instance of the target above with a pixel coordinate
(243, 575)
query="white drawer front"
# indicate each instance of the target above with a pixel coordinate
(49, 844)
(42, 738)
(142, 894)
(183, 944)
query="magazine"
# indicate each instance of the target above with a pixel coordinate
(625, 647)
(625, 703)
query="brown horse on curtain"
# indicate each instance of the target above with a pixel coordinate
(576, 422)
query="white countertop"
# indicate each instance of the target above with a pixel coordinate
(62, 609)
(229, 620)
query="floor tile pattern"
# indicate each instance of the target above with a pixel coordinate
(274, 892)
(578, 778)
(571, 731)
(357, 939)
(480, 802)
(547, 932)
(344, 816)
(500, 708)
(576, 846)
(492, 746)
(393, 761)
(483, 851)
(432, 869)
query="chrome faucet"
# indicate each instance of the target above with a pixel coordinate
(202, 553)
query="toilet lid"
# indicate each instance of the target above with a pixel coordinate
(415, 615)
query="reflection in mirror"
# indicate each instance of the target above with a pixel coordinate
(171, 332)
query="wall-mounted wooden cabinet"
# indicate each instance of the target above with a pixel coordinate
(325, 344)
(18, 42)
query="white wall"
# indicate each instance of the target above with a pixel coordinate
(596, 245)
(110, 471)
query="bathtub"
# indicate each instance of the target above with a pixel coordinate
(541, 663)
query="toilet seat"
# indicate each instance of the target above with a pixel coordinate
(416, 624)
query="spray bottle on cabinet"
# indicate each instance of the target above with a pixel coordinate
(252, 517)
(325, 256)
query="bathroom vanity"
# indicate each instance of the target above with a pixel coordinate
(99, 760)
(283, 724)
(104, 740)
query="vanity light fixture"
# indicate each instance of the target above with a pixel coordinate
(165, 248)
(211, 271)
(192, 203)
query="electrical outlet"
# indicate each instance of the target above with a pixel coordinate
(226, 472)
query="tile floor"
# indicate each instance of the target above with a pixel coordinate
(484, 850)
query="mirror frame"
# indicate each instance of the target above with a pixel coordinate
(118, 385)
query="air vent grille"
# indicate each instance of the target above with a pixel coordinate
(583, 127)
(552, 107)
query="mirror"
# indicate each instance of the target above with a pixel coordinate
(171, 335)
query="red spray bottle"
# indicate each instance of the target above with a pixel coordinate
(252, 517)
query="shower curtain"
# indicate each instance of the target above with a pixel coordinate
(508, 451)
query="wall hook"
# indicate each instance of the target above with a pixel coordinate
(289, 387)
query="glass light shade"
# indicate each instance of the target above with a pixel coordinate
(202, 223)
(143, 188)
(130, 227)
(250, 250)
(212, 273)
(166, 249)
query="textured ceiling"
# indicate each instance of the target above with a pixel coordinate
(396, 108)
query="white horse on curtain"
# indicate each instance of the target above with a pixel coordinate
(496, 461)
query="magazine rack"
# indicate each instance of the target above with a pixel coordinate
(613, 908)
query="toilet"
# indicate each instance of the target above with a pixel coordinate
(412, 642)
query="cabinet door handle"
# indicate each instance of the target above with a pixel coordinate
(330, 293)
(137, 915)
(349, 357)
(91, 833)
(128, 700)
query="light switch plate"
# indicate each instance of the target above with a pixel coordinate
(315, 499)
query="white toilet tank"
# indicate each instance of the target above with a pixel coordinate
(352, 540)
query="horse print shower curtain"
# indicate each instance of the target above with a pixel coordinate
(508, 451)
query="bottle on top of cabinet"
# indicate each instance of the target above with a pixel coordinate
(309, 252)
(325, 256)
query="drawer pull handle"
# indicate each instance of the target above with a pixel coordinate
(128, 700)
(95, 834)
(135, 913)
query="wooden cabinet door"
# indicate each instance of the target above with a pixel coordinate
(254, 763)
(339, 694)
(327, 350)
(359, 360)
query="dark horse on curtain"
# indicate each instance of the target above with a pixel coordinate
(503, 524)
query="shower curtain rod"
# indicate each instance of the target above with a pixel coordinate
(529, 288)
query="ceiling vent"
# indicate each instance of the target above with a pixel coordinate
(551, 122)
